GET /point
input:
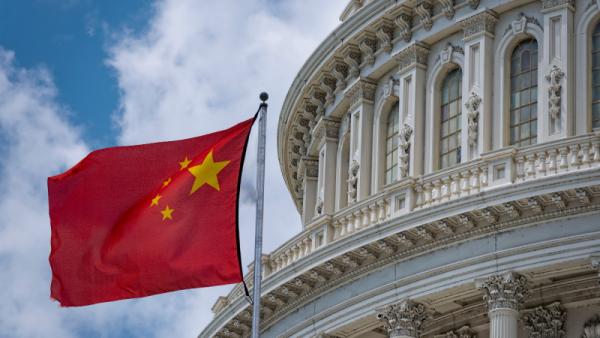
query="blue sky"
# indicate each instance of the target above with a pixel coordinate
(76, 75)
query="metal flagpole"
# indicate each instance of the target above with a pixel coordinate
(260, 192)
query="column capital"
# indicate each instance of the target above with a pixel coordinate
(326, 127)
(362, 90)
(308, 167)
(550, 5)
(546, 321)
(483, 23)
(415, 54)
(403, 319)
(505, 291)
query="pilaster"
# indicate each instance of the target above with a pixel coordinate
(308, 170)
(404, 319)
(326, 131)
(556, 117)
(412, 69)
(361, 96)
(477, 84)
(504, 296)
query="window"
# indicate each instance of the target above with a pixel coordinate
(596, 77)
(450, 119)
(391, 145)
(523, 94)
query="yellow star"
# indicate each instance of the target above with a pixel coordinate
(155, 200)
(206, 173)
(167, 213)
(184, 164)
(166, 182)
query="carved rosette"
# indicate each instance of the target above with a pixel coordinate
(404, 135)
(546, 321)
(413, 55)
(591, 328)
(423, 10)
(504, 292)
(472, 105)
(404, 319)
(353, 181)
(482, 23)
(555, 77)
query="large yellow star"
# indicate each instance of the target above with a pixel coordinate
(206, 173)
(167, 213)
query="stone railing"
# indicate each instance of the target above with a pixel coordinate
(493, 170)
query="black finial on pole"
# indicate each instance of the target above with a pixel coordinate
(264, 96)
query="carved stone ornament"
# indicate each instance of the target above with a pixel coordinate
(504, 291)
(353, 180)
(423, 10)
(447, 8)
(555, 77)
(473, 3)
(403, 21)
(368, 47)
(361, 90)
(472, 105)
(404, 319)
(340, 72)
(546, 321)
(413, 55)
(391, 87)
(352, 57)
(308, 167)
(328, 84)
(319, 207)
(482, 23)
(385, 34)
(463, 332)
(404, 135)
(555, 4)
(446, 54)
(591, 328)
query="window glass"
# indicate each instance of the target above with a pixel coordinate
(450, 118)
(523, 94)
(391, 145)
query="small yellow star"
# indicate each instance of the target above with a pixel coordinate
(166, 182)
(155, 200)
(185, 163)
(167, 213)
(206, 173)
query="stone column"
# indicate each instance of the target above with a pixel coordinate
(404, 319)
(477, 84)
(326, 131)
(412, 69)
(361, 96)
(308, 172)
(556, 117)
(504, 296)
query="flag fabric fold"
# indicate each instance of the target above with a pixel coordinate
(140, 220)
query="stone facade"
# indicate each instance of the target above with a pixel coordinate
(503, 243)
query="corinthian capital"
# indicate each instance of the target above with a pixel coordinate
(403, 319)
(546, 321)
(504, 291)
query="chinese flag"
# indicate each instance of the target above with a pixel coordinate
(141, 220)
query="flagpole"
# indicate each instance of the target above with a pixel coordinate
(260, 194)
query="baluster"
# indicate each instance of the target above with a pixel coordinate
(564, 151)
(455, 185)
(585, 153)
(474, 174)
(357, 220)
(596, 146)
(365, 217)
(483, 176)
(343, 227)
(419, 191)
(552, 160)
(542, 163)
(428, 193)
(373, 213)
(530, 170)
(446, 188)
(336, 229)
(521, 167)
(466, 181)
(350, 223)
(381, 210)
(574, 155)
(387, 205)
(308, 245)
(436, 195)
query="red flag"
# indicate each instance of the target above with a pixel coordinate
(141, 220)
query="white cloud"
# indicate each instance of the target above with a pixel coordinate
(199, 68)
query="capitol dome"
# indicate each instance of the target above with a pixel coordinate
(445, 158)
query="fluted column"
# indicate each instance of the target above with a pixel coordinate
(504, 296)
(404, 319)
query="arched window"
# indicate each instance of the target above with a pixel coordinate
(523, 93)
(596, 77)
(391, 145)
(450, 119)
